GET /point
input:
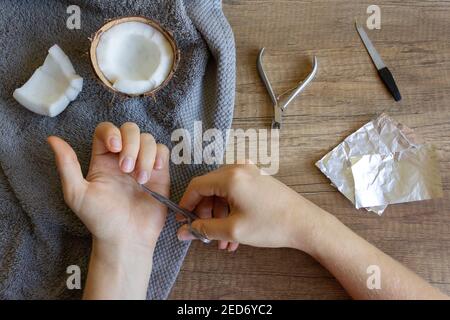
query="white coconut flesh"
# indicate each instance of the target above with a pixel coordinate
(52, 86)
(135, 57)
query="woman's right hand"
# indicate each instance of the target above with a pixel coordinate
(263, 212)
(266, 213)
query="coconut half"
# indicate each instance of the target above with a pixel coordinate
(52, 86)
(134, 56)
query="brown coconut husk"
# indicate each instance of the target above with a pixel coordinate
(109, 25)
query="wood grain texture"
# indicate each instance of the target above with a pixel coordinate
(414, 41)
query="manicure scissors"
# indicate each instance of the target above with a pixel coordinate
(191, 217)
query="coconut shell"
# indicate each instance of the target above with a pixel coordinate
(111, 23)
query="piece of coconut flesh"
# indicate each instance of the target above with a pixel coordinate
(52, 86)
(135, 57)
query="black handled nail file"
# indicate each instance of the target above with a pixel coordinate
(383, 71)
(389, 81)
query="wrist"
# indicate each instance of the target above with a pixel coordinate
(122, 257)
(118, 271)
(311, 224)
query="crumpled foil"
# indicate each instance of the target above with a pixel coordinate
(383, 163)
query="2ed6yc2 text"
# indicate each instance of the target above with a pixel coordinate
(226, 309)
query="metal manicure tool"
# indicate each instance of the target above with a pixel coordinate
(383, 71)
(278, 105)
(177, 209)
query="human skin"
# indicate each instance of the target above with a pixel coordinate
(124, 221)
(237, 204)
(266, 213)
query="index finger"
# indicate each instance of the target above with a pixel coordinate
(211, 184)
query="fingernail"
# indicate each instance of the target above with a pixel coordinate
(127, 164)
(222, 245)
(185, 235)
(142, 177)
(115, 144)
(179, 217)
(159, 163)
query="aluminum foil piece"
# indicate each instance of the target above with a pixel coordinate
(382, 163)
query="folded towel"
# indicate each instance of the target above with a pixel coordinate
(39, 236)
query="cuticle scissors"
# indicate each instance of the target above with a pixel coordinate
(191, 217)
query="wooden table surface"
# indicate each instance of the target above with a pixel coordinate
(414, 41)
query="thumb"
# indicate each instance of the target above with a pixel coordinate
(213, 229)
(69, 169)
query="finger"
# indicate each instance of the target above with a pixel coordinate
(204, 186)
(69, 169)
(232, 246)
(160, 180)
(220, 210)
(107, 138)
(179, 217)
(213, 229)
(184, 234)
(162, 157)
(203, 210)
(130, 146)
(146, 158)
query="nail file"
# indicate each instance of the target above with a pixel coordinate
(383, 71)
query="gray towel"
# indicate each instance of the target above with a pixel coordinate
(39, 236)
